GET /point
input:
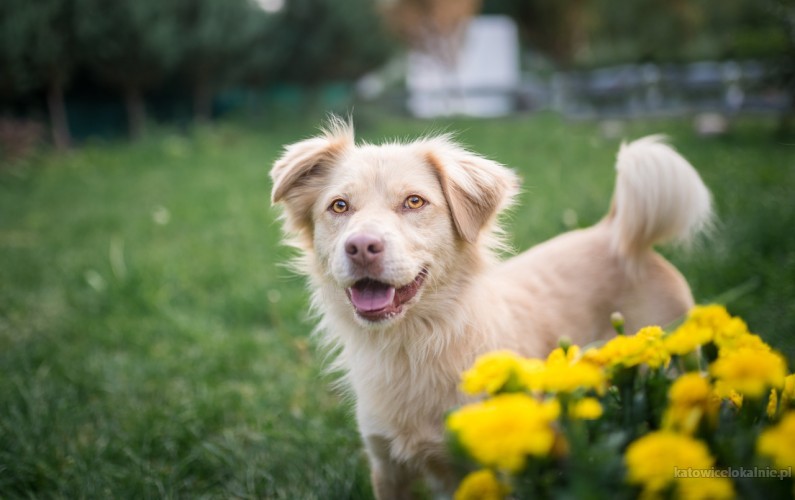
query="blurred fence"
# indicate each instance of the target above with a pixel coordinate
(622, 91)
(654, 90)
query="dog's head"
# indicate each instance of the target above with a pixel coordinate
(383, 224)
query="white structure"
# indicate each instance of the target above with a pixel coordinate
(482, 82)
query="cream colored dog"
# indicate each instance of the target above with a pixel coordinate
(399, 240)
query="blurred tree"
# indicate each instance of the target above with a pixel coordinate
(260, 61)
(37, 50)
(558, 28)
(220, 41)
(322, 40)
(597, 32)
(431, 26)
(617, 35)
(131, 44)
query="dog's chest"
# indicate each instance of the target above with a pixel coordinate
(404, 401)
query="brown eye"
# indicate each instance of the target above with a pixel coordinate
(339, 206)
(414, 202)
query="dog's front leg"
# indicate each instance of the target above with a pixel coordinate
(391, 479)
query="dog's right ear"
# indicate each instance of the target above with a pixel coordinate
(298, 174)
(301, 160)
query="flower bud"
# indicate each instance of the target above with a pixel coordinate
(617, 320)
(564, 343)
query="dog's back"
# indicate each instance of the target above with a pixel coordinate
(571, 284)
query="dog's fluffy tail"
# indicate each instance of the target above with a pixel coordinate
(658, 198)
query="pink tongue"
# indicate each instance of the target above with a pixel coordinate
(372, 297)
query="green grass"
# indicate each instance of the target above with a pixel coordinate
(152, 345)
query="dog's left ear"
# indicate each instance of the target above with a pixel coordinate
(476, 189)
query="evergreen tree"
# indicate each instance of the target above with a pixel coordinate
(37, 51)
(322, 40)
(131, 44)
(217, 39)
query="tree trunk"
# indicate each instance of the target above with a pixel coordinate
(136, 110)
(58, 119)
(202, 100)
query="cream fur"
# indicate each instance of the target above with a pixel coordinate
(404, 371)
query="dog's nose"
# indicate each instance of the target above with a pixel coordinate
(364, 249)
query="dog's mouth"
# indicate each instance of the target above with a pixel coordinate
(377, 301)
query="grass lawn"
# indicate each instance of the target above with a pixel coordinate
(151, 344)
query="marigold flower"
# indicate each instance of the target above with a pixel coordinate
(705, 488)
(690, 398)
(744, 341)
(710, 315)
(690, 389)
(481, 485)
(653, 459)
(778, 442)
(687, 338)
(566, 372)
(493, 371)
(718, 320)
(562, 356)
(772, 404)
(723, 390)
(586, 409)
(750, 372)
(502, 431)
(712, 323)
(645, 347)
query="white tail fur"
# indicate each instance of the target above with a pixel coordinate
(659, 198)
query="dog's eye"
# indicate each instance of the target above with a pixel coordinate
(414, 202)
(339, 206)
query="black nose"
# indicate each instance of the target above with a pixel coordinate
(364, 249)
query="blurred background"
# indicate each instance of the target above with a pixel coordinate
(153, 343)
(73, 69)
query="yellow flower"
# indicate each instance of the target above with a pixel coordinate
(713, 323)
(652, 460)
(745, 341)
(481, 485)
(561, 356)
(586, 409)
(566, 372)
(722, 325)
(772, 404)
(502, 431)
(687, 338)
(778, 442)
(563, 371)
(645, 347)
(690, 398)
(727, 334)
(713, 316)
(723, 390)
(493, 371)
(705, 488)
(691, 389)
(750, 372)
